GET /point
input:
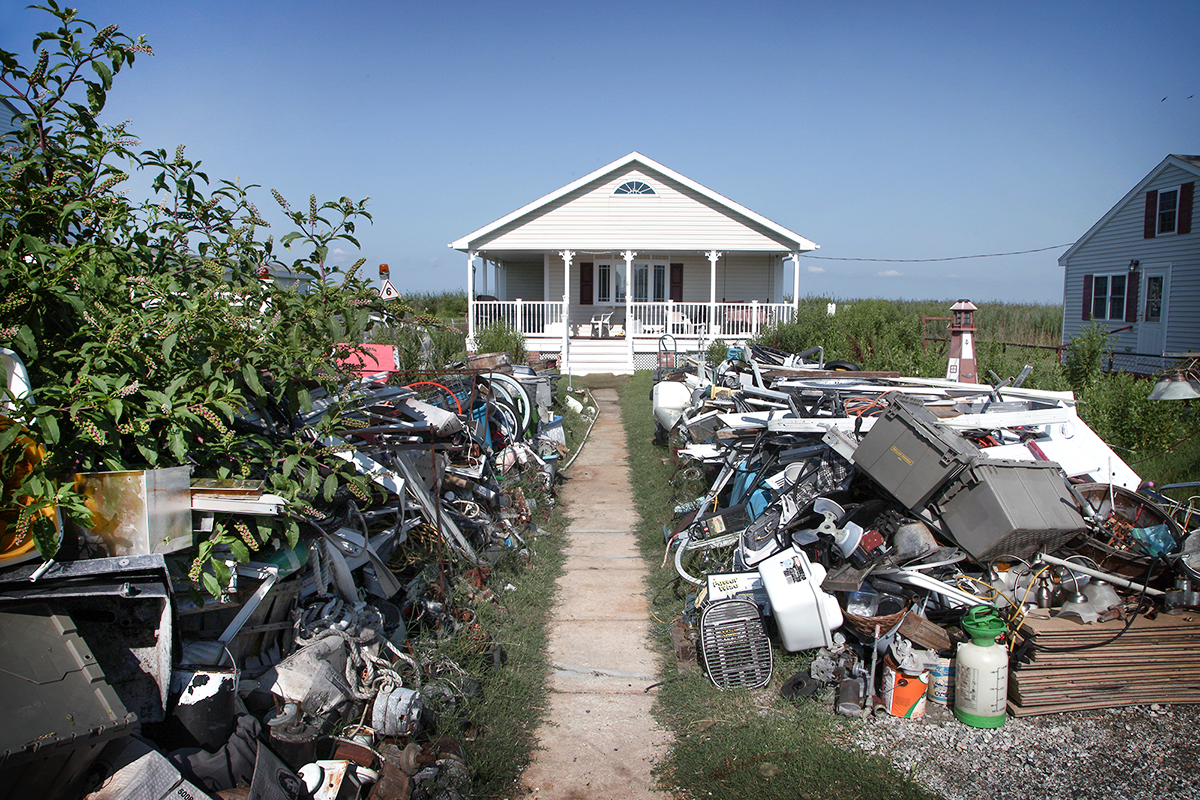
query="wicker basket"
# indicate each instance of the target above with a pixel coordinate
(865, 626)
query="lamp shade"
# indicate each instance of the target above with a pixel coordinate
(1176, 387)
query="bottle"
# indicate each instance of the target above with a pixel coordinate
(981, 678)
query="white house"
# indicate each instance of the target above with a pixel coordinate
(1137, 270)
(598, 271)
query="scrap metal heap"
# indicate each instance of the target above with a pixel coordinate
(863, 515)
(318, 672)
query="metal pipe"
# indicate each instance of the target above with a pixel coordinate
(1101, 574)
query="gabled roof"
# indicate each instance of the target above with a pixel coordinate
(800, 242)
(1188, 163)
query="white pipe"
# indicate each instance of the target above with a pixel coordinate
(1096, 573)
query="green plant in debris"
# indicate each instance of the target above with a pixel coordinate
(498, 337)
(717, 352)
(1085, 355)
(421, 348)
(148, 328)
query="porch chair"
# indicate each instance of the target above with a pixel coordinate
(679, 323)
(601, 323)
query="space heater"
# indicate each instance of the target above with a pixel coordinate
(737, 653)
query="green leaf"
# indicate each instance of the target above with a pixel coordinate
(250, 374)
(169, 344)
(9, 435)
(210, 584)
(49, 426)
(289, 464)
(331, 485)
(240, 551)
(292, 532)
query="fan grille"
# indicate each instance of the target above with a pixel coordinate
(737, 652)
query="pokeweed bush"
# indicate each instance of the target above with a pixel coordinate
(153, 332)
(1085, 354)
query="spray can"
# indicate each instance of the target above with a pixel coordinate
(981, 679)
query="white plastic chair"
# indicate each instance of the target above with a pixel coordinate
(601, 323)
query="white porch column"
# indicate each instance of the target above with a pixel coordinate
(567, 255)
(628, 255)
(471, 298)
(795, 283)
(483, 281)
(713, 256)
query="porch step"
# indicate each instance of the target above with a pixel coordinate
(589, 356)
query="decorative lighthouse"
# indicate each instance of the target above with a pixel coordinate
(961, 367)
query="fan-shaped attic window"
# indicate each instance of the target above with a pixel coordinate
(634, 187)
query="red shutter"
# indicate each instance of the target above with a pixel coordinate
(1087, 298)
(1184, 224)
(1131, 295)
(677, 282)
(585, 283)
(1150, 221)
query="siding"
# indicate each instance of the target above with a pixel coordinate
(675, 218)
(525, 281)
(1121, 240)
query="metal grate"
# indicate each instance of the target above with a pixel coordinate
(737, 652)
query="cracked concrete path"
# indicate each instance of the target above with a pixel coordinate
(600, 739)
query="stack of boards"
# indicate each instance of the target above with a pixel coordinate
(1155, 661)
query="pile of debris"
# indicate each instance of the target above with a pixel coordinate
(316, 673)
(921, 535)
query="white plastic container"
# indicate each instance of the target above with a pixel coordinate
(981, 671)
(805, 615)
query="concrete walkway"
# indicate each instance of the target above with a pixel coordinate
(601, 740)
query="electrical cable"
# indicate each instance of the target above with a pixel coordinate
(951, 258)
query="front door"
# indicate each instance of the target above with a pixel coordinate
(1152, 317)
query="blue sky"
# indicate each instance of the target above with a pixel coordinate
(878, 130)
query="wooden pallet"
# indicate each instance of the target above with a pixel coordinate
(1154, 661)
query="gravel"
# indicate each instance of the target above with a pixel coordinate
(1133, 752)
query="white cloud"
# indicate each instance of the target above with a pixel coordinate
(339, 252)
(891, 273)
(953, 276)
(815, 270)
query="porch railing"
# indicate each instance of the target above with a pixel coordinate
(545, 318)
(533, 317)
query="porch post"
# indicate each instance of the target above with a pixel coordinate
(795, 284)
(471, 297)
(483, 281)
(713, 255)
(629, 254)
(567, 255)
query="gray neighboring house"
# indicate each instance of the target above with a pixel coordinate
(10, 122)
(1137, 270)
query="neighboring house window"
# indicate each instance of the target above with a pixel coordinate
(1154, 287)
(1169, 211)
(1111, 298)
(660, 283)
(1167, 208)
(634, 187)
(1108, 297)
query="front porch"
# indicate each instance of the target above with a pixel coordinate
(621, 339)
(545, 319)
